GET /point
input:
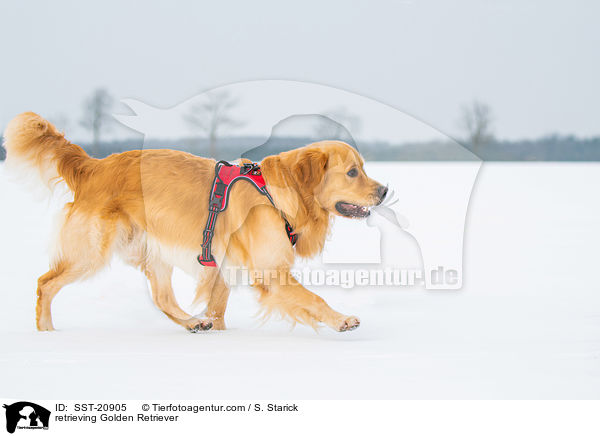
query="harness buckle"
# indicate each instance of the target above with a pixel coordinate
(246, 168)
(220, 188)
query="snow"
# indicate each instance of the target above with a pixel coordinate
(526, 323)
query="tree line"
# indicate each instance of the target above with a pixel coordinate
(212, 125)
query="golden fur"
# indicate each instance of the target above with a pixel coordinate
(150, 207)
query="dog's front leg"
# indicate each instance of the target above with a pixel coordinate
(217, 304)
(280, 291)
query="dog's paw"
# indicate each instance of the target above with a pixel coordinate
(218, 324)
(201, 325)
(45, 326)
(350, 323)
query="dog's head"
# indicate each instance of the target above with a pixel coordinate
(326, 175)
(312, 183)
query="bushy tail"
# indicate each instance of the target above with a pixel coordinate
(35, 144)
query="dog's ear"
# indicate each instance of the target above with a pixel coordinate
(281, 184)
(293, 177)
(309, 169)
(303, 169)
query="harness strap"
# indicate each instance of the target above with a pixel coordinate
(226, 175)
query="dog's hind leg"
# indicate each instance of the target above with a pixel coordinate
(48, 286)
(83, 247)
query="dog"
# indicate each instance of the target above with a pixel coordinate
(150, 206)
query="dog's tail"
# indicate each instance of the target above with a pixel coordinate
(34, 143)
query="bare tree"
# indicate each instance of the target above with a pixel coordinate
(212, 115)
(476, 121)
(344, 122)
(96, 116)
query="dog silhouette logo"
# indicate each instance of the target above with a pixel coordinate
(421, 229)
(26, 415)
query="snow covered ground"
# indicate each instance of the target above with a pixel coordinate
(525, 325)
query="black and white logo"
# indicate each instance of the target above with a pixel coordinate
(26, 415)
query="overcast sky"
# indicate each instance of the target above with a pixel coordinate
(536, 63)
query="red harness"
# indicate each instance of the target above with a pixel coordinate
(226, 175)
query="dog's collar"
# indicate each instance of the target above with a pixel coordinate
(226, 175)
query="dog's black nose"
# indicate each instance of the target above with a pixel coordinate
(382, 192)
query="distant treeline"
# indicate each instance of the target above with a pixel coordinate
(550, 148)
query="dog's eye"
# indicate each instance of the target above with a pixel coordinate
(352, 173)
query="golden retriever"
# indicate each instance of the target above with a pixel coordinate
(150, 207)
